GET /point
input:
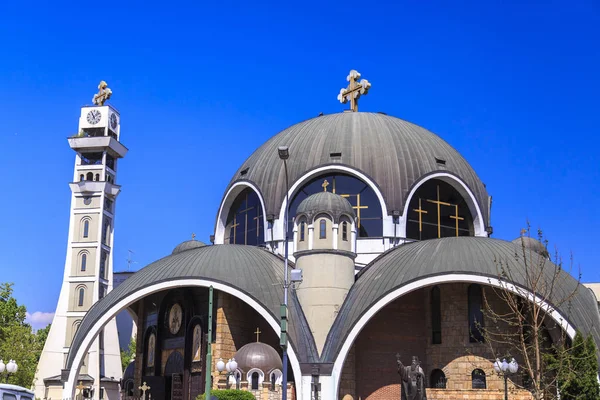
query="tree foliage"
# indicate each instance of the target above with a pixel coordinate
(17, 340)
(128, 355)
(230, 394)
(521, 326)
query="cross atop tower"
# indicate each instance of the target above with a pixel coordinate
(103, 94)
(324, 185)
(354, 90)
(258, 332)
(193, 236)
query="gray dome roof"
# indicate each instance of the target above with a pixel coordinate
(188, 245)
(258, 355)
(251, 270)
(394, 153)
(325, 202)
(453, 255)
(531, 244)
(129, 371)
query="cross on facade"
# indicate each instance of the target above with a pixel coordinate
(439, 204)
(324, 185)
(144, 388)
(258, 332)
(354, 90)
(80, 387)
(421, 212)
(103, 94)
(234, 227)
(357, 207)
(456, 217)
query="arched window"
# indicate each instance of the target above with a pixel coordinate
(362, 197)
(97, 177)
(302, 228)
(86, 228)
(475, 300)
(89, 176)
(322, 228)
(83, 262)
(273, 380)
(255, 377)
(438, 379)
(245, 220)
(81, 297)
(81, 177)
(345, 231)
(478, 379)
(436, 316)
(437, 210)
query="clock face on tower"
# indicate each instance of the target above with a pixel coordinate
(175, 317)
(93, 117)
(113, 121)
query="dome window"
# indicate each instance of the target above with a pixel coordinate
(302, 229)
(345, 231)
(322, 229)
(245, 223)
(437, 210)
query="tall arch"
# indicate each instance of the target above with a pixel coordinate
(80, 351)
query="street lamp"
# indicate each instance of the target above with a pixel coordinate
(284, 154)
(505, 368)
(231, 368)
(10, 368)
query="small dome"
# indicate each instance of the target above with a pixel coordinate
(188, 245)
(325, 202)
(128, 374)
(258, 355)
(532, 244)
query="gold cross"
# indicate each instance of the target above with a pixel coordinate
(358, 207)
(439, 203)
(421, 212)
(103, 94)
(258, 332)
(234, 226)
(193, 236)
(257, 219)
(144, 388)
(456, 217)
(80, 386)
(324, 185)
(354, 90)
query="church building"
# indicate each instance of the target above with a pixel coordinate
(386, 229)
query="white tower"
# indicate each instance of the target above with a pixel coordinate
(88, 274)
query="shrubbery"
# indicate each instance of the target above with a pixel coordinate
(231, 394)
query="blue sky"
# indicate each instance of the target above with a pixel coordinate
(200, 85)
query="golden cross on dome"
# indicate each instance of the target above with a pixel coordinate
(354, 90)
(324, 185)
(258, 332)
(456, 217)
(421, 212)
(103, 94)
(193, 236)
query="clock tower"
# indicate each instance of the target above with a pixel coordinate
(88, 272)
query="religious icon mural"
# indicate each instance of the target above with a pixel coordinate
(151, 350)
(196, 344)
(364, 201)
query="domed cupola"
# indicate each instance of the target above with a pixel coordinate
(326, 202)
(531, 244)
(258, 362)
(187, 245)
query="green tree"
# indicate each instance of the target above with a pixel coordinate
(577, 376)
(230, 394)
(17, 339)
(129, 354)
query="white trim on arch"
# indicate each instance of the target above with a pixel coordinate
(465, 192)
(228, 200)
(278, 226)
(69, 386)
(430, 281)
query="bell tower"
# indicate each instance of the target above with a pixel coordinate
(88, 271)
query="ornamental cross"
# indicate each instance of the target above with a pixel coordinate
(103, 94)
(354, 90)
(80, 387)
(144, 388)
(324, 185)
(258, 332)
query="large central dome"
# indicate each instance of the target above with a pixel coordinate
(394, 153)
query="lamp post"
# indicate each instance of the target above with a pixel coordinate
(505, 368)
(284, 154)
(231, 367)
(10, 368)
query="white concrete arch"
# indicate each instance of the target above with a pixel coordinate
(279, 232)
(69, 386)
(228, 200)
(560, 319)
(463, 190)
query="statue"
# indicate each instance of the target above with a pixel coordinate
(413, 380)
(103, 94)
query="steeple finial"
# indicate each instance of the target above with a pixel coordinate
(103, 94)
(354, 90)
(258, 332)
